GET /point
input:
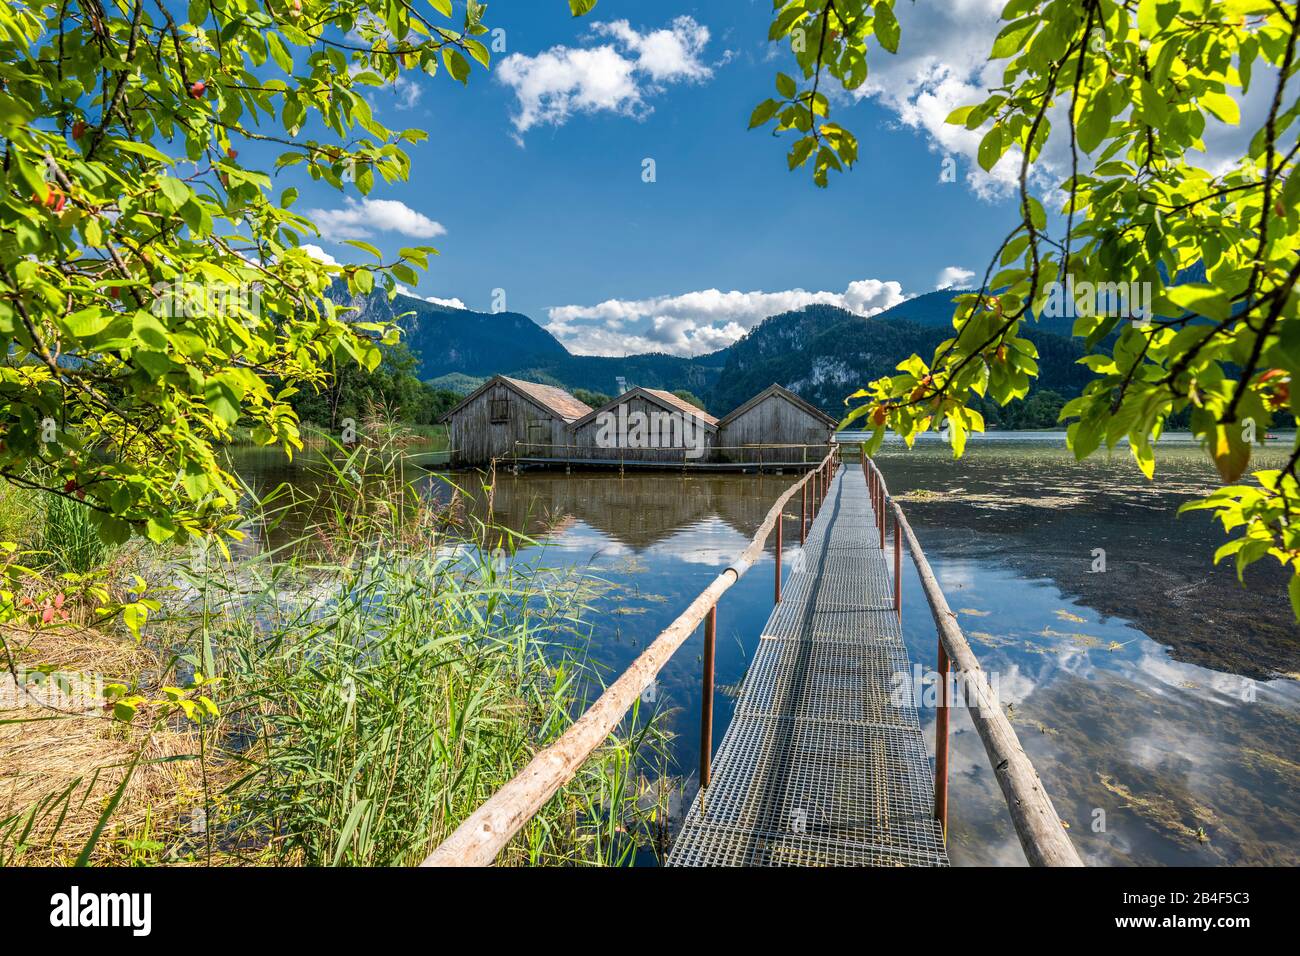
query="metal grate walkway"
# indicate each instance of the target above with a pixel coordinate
(820, 765)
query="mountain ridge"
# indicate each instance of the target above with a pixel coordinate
(821, 352)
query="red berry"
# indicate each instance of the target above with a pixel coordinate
(78, 129)
(197, 88)
(70, 486)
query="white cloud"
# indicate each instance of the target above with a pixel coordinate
(665, 55)
(615, 77)
(695, 323)
(954, 276)
(449, 303)
(407, 91)
(942, 63)
(452, 303)
(358, 219)
(316, 252)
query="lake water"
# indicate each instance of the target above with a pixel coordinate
(1159, 700)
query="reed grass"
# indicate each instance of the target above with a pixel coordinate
(379, 679)
(68, 542)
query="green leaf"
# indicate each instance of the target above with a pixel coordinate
(175, 190)
(279, 52)
(1147, 23)
(1206, 300)
(887, 29)
(958, 116)
(222, 393)
(456, 64)
(786, 86)
(1013, 37)
(1223, 106)
(763, 112)
(89, 322)
(1094, 122)
(991, 148)
(581, 8)
(1230, 451)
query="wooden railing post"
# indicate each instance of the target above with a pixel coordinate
(706, 711)
(779, 522)
(941, 746)
(898, 569)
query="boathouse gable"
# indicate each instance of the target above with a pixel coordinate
(647, 425)
(507, 416)
(775, 416)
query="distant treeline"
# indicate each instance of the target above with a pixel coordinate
(393, 384)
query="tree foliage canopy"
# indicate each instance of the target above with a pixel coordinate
(1133, 87)
(153, 286)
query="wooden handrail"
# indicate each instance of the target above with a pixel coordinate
(485, 833)
(1041, 832)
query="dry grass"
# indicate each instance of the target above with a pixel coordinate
(60, 768)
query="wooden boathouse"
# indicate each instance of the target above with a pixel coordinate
(646, 425)
(775, 416)
(525, 425)
(503, 413)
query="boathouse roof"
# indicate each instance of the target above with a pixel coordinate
(658, 396)
(785, 393)
(555, 400)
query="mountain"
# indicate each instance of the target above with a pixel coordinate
(824, 353)
(458, 340)
(456, 346)
(821, 352)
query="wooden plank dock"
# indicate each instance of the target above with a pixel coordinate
(823, 763)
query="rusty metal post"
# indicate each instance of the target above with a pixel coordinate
(706, 711)
(898, 567)
(779, 522)
(880, 517)
(803, 514)
(941, 746)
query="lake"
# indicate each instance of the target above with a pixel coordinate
(1158, 699)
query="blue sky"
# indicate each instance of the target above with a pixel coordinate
(541, 195)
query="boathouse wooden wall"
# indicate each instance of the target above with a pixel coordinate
(476, 437)
(774, 420)
(586, 435)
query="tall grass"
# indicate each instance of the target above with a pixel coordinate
(381, 710)
(18, 512)
(385, 687)
(379, 679)
(68, 541)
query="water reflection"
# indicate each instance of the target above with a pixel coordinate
(1158, 700)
